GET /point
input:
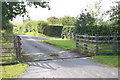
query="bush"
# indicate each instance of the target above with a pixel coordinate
(68, 32)
(41, 25)
(27, 26)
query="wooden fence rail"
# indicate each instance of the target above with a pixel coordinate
(98, 44)
(8, 50)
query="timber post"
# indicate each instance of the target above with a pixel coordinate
(96, 46)
(77, 40)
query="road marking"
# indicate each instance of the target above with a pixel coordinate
(113, 73)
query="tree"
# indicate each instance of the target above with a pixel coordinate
(85, 19)
(11, 9)
(41, 25)
(67, 20)
(115, 13)
(53, 20)
(95, 11)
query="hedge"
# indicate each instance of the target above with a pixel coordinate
(99, 30)
(49, 30)
(53, 31)
(69, 32)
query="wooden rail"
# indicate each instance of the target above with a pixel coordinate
(96, 43)
(16, 48)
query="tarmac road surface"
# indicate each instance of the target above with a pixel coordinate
(61, 68)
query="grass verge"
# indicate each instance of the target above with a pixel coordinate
(110, 60)
(53, 54)
(12, 71)
(62, 43)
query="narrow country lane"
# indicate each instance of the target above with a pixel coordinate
(39, 50)
(35, 45)
(60, 68)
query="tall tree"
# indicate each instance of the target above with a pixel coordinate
(11, 9)
(68, 20)
(115, 13)
(85, 19)
(53, 20)
(95, 11)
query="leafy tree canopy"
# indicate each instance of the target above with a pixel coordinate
(115, 13)
(11, 9)
(85, 19)
(68, 20)
(53, 20)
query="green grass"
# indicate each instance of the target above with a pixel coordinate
(32, 34)
(110, 60)
(35, 34)
(70, 45)
(62, 43)
(12, 71)
(53, 54)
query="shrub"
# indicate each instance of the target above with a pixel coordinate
(29, 26)
(68, 32)
(41, 25)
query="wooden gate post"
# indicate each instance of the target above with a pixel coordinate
(96, 46)
(19, 48)
(115, 47)
(15, 46)
(77, 40)
(85, 48)
(85, 44)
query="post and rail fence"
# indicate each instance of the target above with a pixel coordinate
(10, 51)
(98, 44)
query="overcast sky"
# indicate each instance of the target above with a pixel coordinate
(60, 8)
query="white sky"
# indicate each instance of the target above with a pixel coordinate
(60, 8)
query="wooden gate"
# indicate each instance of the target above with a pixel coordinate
(98, 44)
(10, 51)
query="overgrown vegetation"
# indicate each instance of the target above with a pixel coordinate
(53, 54)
